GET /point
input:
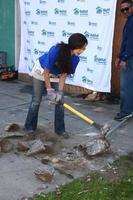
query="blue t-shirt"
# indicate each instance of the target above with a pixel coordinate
(48, 60)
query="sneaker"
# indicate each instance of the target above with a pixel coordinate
(120, 116)
(28, 130)
(64, 135)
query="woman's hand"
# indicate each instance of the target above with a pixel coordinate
(122, 64)
(51, 95)
(59, 96)
(117, 62)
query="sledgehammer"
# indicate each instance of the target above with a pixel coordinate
(103, 129)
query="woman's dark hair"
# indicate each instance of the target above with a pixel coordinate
(127, 1)
(75, 41)
(63, 61)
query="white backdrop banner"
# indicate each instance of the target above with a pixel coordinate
(47, 22)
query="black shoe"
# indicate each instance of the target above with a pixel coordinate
(64, 135)
(120, 116)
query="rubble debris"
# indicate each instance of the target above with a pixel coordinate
(36, 147)
(94, 147)
(11, 134)
(12, 127)
(22, 146)
(92, 97)
(45, 174)
(45, 160)
(66, 167)
(49, 148)
(5, 146)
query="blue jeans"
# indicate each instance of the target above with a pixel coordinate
(126, 88)
(32, 116)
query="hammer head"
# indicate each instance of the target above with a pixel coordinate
(105, 129)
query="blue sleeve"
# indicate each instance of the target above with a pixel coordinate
(48, 59)
(75, 61)
(127, 43)
(129, 46)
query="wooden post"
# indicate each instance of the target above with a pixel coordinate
(119, 23)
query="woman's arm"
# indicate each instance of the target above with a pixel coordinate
(62, 81)
(47, 78)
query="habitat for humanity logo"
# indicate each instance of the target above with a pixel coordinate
(28, 51)
(81, 0)
(82, 13)
(41, 12)
(34, 22)
(52, 23)
(42, 2)
(99, 61)
(26, 58)
(93, 24)
(27, 13)
(86, 80)
(28, 41)
(41, 42)
(103, 11)
(90, 70)
(27, 3)
(61, 1)
(83, 59)
(70, 23)
(48, 33)
(57, 11)
(99, 48)
(66, 34)
(37, 51)
(30, 32)
(91, 36)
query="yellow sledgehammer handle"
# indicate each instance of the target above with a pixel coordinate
(85, 118)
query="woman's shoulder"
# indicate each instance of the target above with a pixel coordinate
(54, 49)
(76, 58)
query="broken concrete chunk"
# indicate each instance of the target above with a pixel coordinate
(45, 160)
(36, 147)
(12, 127)
(49, 148)
(11, 135)
(94, 147)
(45, 174)
(6, 145)
(22, 146)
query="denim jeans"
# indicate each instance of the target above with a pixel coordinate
(126, 88)
(32, 116)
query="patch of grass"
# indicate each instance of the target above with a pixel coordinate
(97, 187)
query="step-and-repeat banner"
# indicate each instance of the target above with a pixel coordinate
(47, 22)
